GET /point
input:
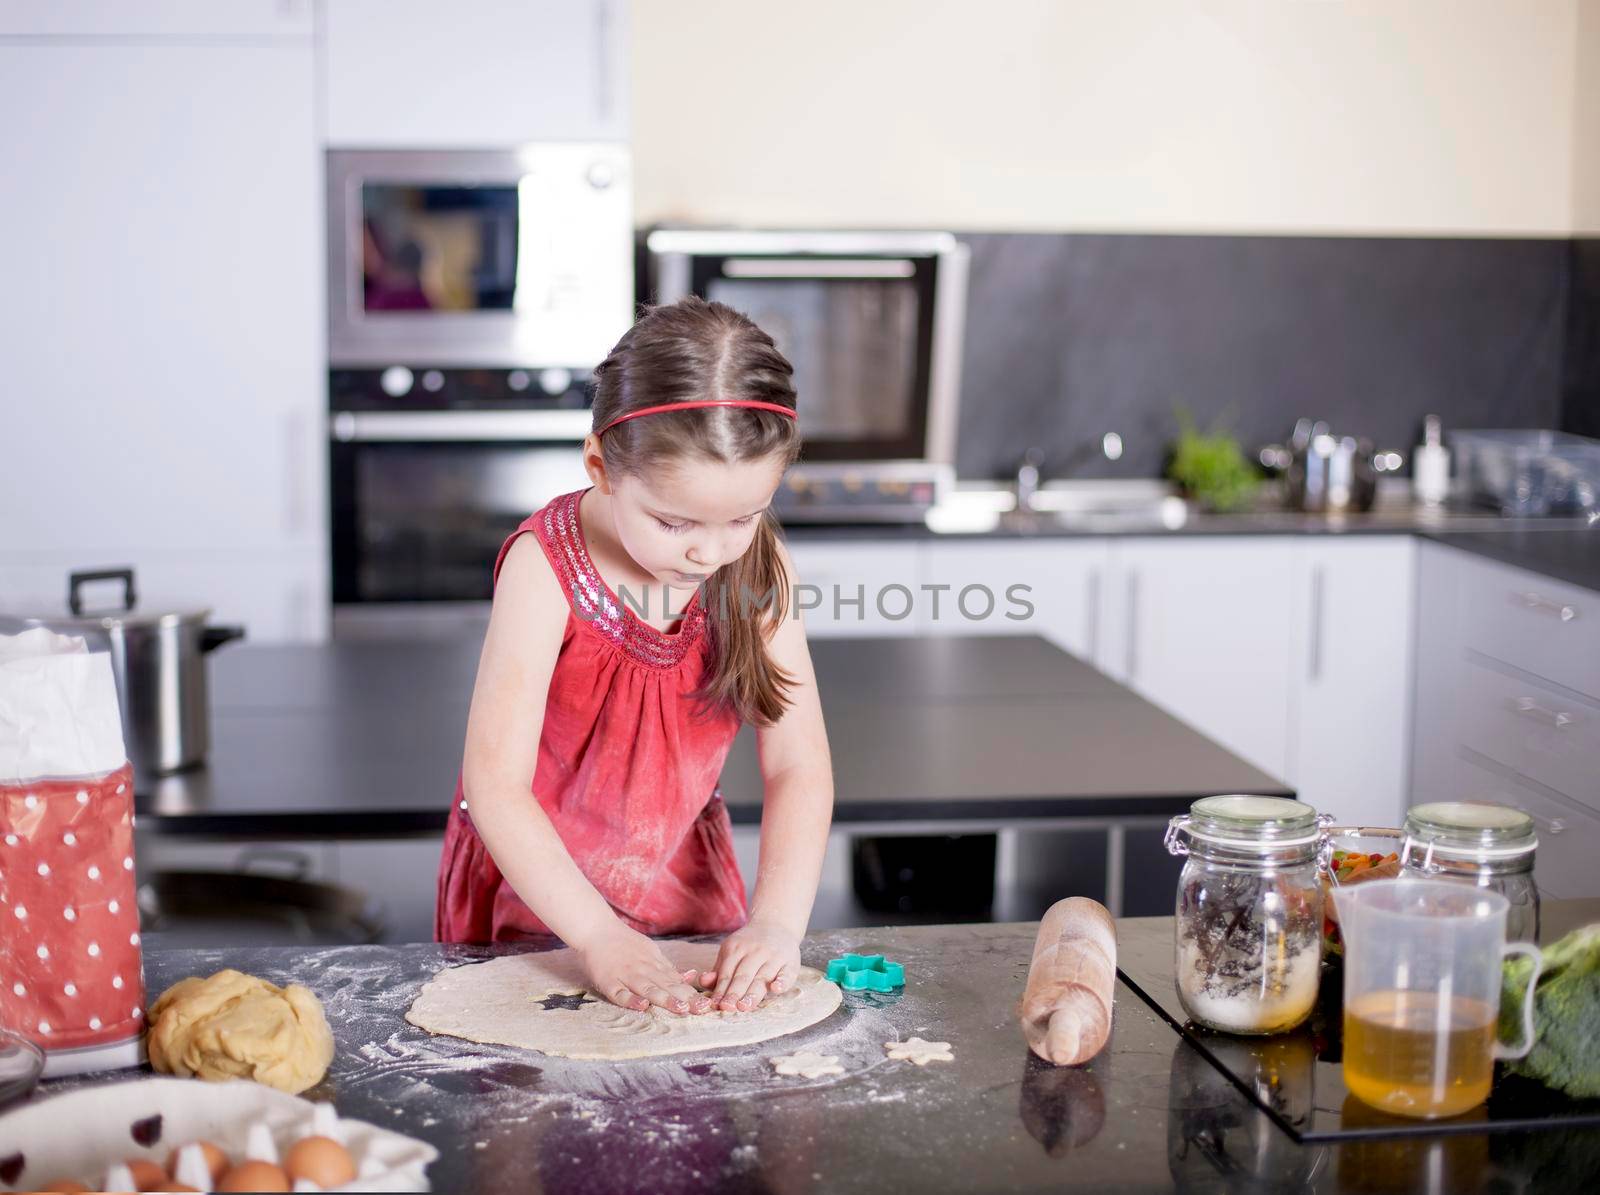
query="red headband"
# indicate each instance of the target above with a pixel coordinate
(751, 404)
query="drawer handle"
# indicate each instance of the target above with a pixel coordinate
(1546, 825)
(1529, 708)
(1561, 610)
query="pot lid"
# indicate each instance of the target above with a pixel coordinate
(102, 611)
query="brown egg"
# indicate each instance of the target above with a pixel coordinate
(65, 1186)
(255, 1176)
(322, 1160)
(216, 1160)
(147, 1175)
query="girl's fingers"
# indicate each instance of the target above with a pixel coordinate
(727, 968)
(784, 979)
(708, 979)
(661, 998)
(624, 997)
(737, 995)
(753, 997)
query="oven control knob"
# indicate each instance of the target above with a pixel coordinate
(518, 380)
(555, 381)
(433, 381)
(396, 381)
(601, 175)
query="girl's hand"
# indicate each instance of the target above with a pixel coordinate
(758, 959)
(630, 970)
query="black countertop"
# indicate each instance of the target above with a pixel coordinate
(1564, 555)
(365, 739)
(1150, 1113)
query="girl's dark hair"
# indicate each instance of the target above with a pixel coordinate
(695, 349)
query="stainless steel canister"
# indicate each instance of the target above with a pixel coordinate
(158, 659)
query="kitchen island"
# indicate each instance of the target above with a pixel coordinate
(1150, 1113)
(364, 739)
(934, 736)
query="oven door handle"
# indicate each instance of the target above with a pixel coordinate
(832, 268)
(479, 426)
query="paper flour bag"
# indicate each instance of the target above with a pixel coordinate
(71, 977)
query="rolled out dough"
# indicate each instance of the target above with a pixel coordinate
(506, 1001)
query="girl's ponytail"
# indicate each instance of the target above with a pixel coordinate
(746, 602)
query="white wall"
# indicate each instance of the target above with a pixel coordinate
(1586, 124)
(1277, 116)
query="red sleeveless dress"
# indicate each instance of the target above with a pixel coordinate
(627, 769)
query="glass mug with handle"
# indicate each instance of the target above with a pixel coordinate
(1422, 994)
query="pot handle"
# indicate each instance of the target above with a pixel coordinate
(76, 581)
(212, 638)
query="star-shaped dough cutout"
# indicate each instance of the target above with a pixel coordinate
(914, 1049)
(807, 1065)
(568, 1001)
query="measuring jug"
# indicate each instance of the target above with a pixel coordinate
(1422, 994)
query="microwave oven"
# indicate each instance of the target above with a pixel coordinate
(517, 259)
(873, 324)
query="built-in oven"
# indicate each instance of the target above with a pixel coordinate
(873, 323)
(470, 296)
(516, 259)
(417, 520)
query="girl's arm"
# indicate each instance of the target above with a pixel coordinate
(502, 751)
(797, 807)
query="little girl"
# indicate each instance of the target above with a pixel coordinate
(635, 629)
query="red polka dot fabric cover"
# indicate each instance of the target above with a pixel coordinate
(70, 965)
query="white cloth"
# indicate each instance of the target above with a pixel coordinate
(59, 715)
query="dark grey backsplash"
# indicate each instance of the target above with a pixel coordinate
(1580, 400)
(1072, 336)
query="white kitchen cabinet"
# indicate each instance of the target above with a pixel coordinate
(859, 588)
(1436, 766)
(1350, 664)
(1203, 627)
(169, 335)
(1048, 587)
(417, 74)
(1508, 666)
(238, 20)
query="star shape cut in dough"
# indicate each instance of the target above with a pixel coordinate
(914, 1049)
(807, 1065)
(568, 1001)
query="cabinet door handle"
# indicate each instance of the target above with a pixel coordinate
(1529, 708)
(1131, 660)
(1314, 664)
(1537, 601)
(1091, 615)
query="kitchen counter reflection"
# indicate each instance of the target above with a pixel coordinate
(1150, 1113)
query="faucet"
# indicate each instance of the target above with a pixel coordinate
(1028, 477)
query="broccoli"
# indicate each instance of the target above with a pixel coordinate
(1566, 1014)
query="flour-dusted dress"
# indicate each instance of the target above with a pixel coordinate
(627, 768)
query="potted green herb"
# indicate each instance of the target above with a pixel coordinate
(1210, 468)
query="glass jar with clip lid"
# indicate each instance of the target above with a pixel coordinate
(1249, 912)
(1489, 846)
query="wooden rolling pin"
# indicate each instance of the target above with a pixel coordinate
(1066, 1007)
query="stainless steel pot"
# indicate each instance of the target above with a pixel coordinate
(158, 659)
(1327, 474)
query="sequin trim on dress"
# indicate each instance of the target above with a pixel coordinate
(594, 603)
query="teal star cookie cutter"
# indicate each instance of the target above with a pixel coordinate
(866, 972)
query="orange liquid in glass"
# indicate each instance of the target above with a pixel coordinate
(1412, 1054)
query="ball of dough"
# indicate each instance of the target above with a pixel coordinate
(235, 1026)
